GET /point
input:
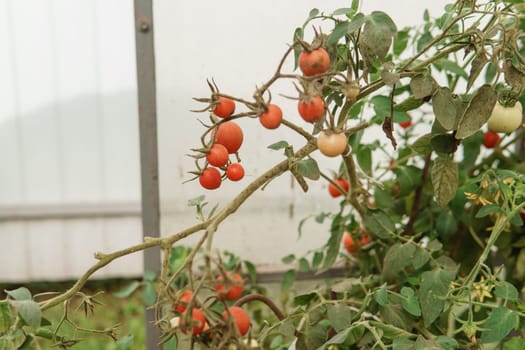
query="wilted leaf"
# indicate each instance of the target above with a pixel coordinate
(432, 293)
(444, 108)
(376, 37)
(477, 112)
(389, 75)
(475, 69)
(444, 180)
(408, 104)
(499, 324)
(513, 77)
(444, 143)
(422, 85)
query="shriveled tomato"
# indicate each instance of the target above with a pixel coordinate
(236, 286)
(183, 302)
(240, 318)
(235, 172)
(352, 245)
(272, 117)
(210, 178)
(334, 192)
(218, 155)
(332, 144)
(505, 119)
(311, 110)
(490, 139)
(198, 321)
(314, 62)
(224, 108)
(229, 134)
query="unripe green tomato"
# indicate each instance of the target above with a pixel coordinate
(505, 119)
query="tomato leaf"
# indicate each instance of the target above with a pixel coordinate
(127, 290)
(444, 143)
(422, 85)
(506, 290)
(357, 22)
(339, 316)
(410, 302)
(278, 145)
(475, 69)
(477, 112)
(5, 317)
(499, 324)
(513, 77)
(125, 342)
(433, 292)
(308, 168)
(409, 104)
(444, 180)
(381, 295)
(29, 311)
(376, 37)
(422, 144)
(444, 108)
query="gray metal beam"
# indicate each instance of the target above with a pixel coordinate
(148, 145)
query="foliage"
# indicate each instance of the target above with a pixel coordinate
(443, 262)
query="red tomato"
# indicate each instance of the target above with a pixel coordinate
(352, 245)
(236, 287)
(198, 322)
(312, 110)
(235, 172)
(331, 144)
(224, 108)
(240, 317)
(229, 135)
(210, 178)
(314, 62)
(184, 300)
(334, 192)
(272, 117)
(406, 123)
(490, 139)
(218, 155)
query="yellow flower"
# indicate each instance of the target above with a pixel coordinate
(481, 290)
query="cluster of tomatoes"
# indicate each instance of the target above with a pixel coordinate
(353, 243)
(198, 323)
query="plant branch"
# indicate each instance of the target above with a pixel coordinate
(251, 297)
(414, 211)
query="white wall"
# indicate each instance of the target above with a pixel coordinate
(68, 126)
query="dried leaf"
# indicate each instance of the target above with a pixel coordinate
(421, 86)
(443, 104)
(475, 69)
(444, 180)
(477, 112)
(513, 76)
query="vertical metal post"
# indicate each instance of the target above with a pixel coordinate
(148, 146)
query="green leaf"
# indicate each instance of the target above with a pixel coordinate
(333, 245)
(389, 331)
(343, 11)
(29, 311)
(304, 266)
(297, 49)
(347, 336)
(444, 180)
(400, 42)
(422, 144)
(288, 280)
(443, 143)
(478, 111)
(364, 158)
(381, 105)
(308, 168)
(317, 259)
(381, 224)
(278, 145)
(499, 324)
(150, 276)
(446, 225)
(149, 294)
(340, 30)
(305, 299)
(487, 210)
(127, 290)
(409, 104)
(339, 316)
(397, 258)
(506, 290)
(451, 66)
(516, 343)
(446, 342)
(426, 344)
(444, 107)
(393, 314)
(403, 343)
(432, 293)
(357, 22)
(21, 293)
(381, 295)
(422, 85)
(5, 317)
(125, 342)
(410, 302)
(250, 267)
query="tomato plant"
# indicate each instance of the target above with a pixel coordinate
(432, 223)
